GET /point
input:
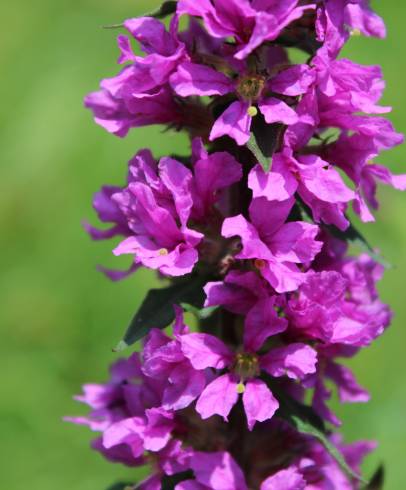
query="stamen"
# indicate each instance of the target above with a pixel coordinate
(252, 111)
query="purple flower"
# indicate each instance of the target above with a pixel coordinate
(165, 361)
(251, 89)
(316, 181)
(214, 471)
(330, 308)
(275, 246)
(334, 16)
(140, 94)
(154, 209)
(289, 479)
(354, 154)
(249, 23)
(206, 351)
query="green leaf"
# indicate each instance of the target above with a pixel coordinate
(122, 486)
(306, 421)
(264, 161)
(200, 314)
(170, 482)
(377, 480)
(157, 309)
(264, 140)
(167, 8)
(305, 427)
(353, 236)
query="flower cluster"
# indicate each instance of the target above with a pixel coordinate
(252, 230)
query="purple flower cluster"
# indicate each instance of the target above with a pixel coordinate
(258, 214)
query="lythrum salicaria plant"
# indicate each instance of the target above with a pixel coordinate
(248, 231)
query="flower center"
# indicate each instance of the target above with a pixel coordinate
(250, 87)
(163, 251)
(246, 366)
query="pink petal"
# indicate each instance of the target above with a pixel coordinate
(323, 181)
(253, 247)
(127, 431)
(235, 122)
(283, 276)
(293, 81)
(294, 361)
(259, 403)
(275, 110)
(218, 471)
(194, 79)
(261, 323)
(204, 350)
(349, 390)
(289, 479)
(296, 242)
(218, 398)
(274, 186)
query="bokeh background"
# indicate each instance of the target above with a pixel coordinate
(59, 316)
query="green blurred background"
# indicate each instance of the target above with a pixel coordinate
(59, 316)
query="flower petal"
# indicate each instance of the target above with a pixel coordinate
(204, 350)
(235, 122)
(194, 79)
(218, 398)
(294, 360)
(259, 402)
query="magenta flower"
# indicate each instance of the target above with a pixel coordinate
(316, 181)
(214, 471)
(251, 89)
(249, 23)
(165, 361)
(275, 246)
(154, 209)
(140, 95)
(341, 308)
(206, 351)
(289, 479)
(284, 299)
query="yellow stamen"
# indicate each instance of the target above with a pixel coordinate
(252, 111)
(240, 388)
(163, 251)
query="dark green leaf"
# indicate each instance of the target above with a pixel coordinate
(353, 236)
(157, 309)
(264, 141)
(305, 427)
(170, 482)
(121, 486)
(377, 480)
(306, 421)
(167, 8)
(200, 314)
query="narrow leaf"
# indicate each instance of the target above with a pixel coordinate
(305, 427)
(157, 309)
(264, 140)
(122, 486)
(256, 151)
(305, 420)
(200, 314)
(170, 482)
(167, 8)
(352, 235)
(377, 480)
